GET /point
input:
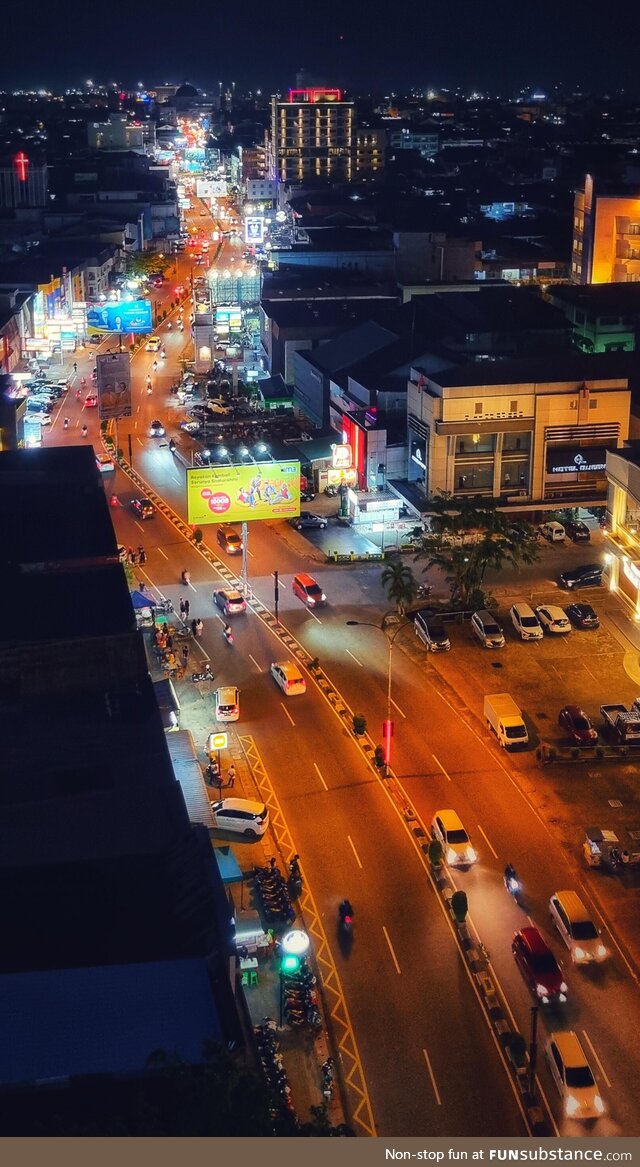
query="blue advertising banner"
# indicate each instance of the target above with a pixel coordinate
(131, 316)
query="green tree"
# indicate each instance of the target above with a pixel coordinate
(146, 263)
(400, 583)
(467, 537)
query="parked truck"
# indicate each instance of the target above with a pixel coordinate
(504, 718)
(622, 722)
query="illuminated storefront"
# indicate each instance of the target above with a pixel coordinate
(623, 524)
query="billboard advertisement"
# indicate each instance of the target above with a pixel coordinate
(236, 494)
(254, 230)
(129, 316)
(229, 319)
(114, 385)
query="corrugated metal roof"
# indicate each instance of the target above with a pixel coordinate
(188, 771)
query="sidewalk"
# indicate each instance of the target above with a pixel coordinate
(303, 1051)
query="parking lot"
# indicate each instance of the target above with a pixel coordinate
(586, 668)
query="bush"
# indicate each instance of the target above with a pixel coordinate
(359, 724)
(378, 757)
(435, 853)
(459, 906)
(516, 1048)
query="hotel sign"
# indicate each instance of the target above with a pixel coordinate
(572, 460)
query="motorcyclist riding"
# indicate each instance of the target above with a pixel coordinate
(346, 912)
(511, 881)
(227, 633)
(186, 578)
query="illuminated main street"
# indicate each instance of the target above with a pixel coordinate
(431, 1063)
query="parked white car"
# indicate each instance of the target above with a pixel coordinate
(553, 618)
(525, 622)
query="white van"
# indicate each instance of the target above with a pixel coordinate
(554, 532)
(576, 927)
(242, 816)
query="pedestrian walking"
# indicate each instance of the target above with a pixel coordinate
(183, 613)
(187, 606)
(131, 556)
(142, 556)
(194, 625)
(199, 627)
(231, 778)
(185, 655)
(169, 641)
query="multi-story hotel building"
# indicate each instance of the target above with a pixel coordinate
(313, 134)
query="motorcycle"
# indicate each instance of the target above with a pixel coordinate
(228, 634)
(207, 675)
(512, 882)
(185, 578)
(169, 325)
(330, 491)
(345, 912)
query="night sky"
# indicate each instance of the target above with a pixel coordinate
(496, 47)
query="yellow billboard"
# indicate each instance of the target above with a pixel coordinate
(236, 494)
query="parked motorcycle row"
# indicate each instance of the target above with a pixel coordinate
(273, 893)
(272, 1063)
(300, 998)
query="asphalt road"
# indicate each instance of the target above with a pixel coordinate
(429, 1059)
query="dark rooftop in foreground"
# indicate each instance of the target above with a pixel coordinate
(538, 370)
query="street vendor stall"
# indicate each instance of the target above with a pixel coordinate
(603, 848)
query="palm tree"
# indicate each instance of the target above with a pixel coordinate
(400, 584)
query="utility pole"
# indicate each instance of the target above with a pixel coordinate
(276, 595)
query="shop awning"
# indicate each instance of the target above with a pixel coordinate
(227, 865)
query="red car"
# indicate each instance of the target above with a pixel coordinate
(538, 966)
(90, 401)
(574, 720)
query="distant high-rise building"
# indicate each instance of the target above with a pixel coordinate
(606, 236)
(312, 136)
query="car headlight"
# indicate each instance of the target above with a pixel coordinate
(579, 953)
(541, 991)
(601, 950)
(564, 988)
(572, 1106)
(451, 855)
(598, 1104)
(310, 601)
(471, 855)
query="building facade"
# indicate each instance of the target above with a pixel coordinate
(312, 136)
(606, 237)
(623, 524)
(522, 435)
